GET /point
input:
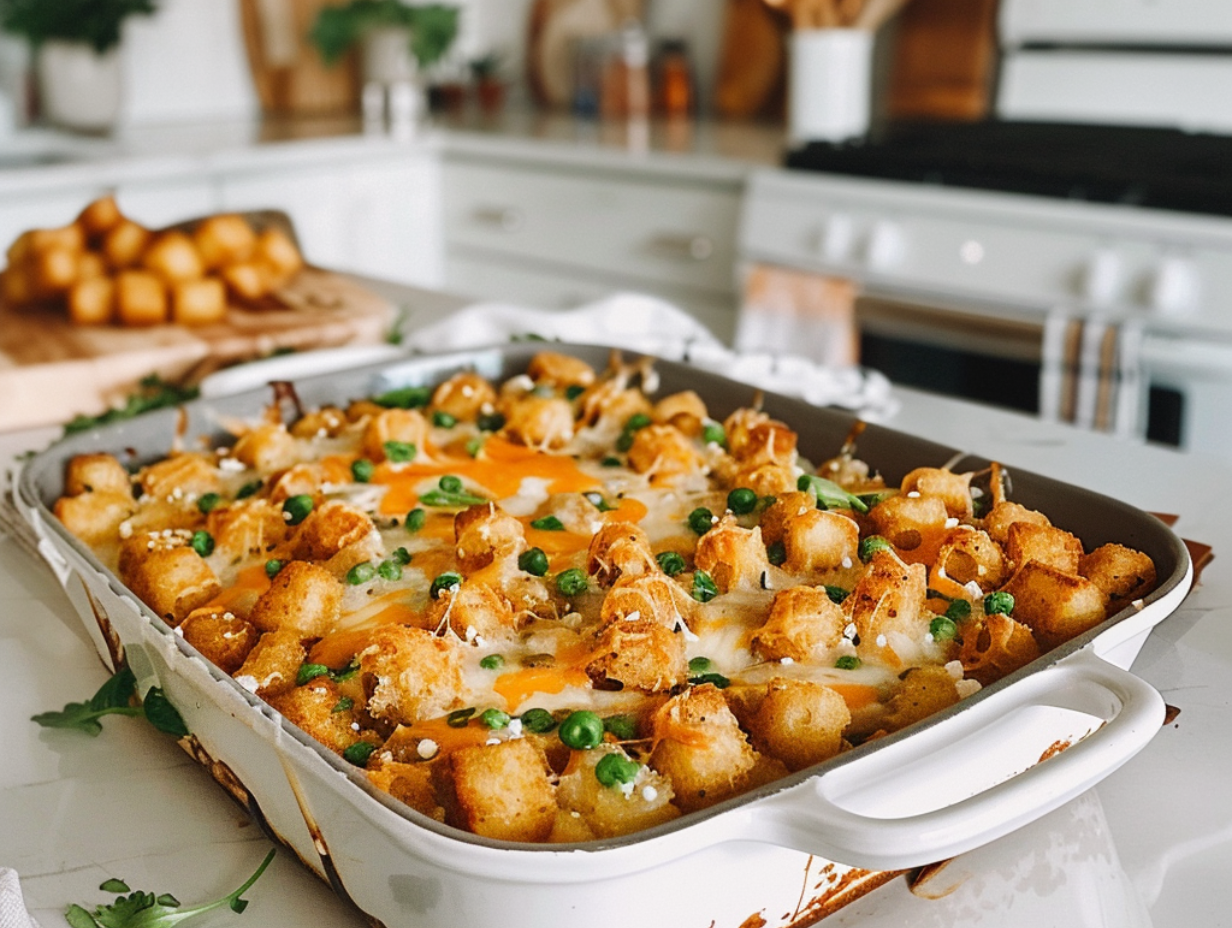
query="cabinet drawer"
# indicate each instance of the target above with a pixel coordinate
(671, 231)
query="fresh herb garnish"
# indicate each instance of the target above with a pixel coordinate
(145, 910)
(548, 524)
(153, 393)
(829, 494)
(450, 493)
(115, 697)
(404, 398)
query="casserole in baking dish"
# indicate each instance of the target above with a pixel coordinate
(834, 808)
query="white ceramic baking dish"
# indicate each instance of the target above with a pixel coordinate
(784, 855)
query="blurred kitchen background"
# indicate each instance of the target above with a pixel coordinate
(1025, 203)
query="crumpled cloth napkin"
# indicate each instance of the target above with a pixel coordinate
(647, 324)
(13, 913)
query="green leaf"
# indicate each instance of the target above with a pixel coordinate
(153, 392)
(95, 22)
(145, 910)
(829, 494)
(113, 698)
(162, 714)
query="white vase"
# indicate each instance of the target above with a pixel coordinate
(387, 57)
(80, 89)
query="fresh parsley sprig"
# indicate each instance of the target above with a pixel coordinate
(829, 494)
(115, 697)
(145, 910)
(450, 493)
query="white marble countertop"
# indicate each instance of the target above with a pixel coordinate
(1150, 846)
(44, 159)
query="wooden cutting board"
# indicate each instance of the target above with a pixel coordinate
(52, 370)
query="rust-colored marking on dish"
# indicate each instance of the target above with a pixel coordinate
(1054, 749)
(847, 889)
(754, 921)
(826, 890)
(920, 882)
(319, 843)
(115, 648)
(1170, 714)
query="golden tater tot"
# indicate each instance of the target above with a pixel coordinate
(173, 257)
(92, 301)
(140, 298)
(202, 301)
(124, 244)
(224, 239)
(99, 217)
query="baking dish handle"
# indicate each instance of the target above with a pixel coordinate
(974, 776)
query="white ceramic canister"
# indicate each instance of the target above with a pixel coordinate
(829, 84)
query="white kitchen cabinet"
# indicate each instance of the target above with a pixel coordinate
(554, 234)
(376, 215)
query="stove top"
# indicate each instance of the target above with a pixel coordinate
(1159, 168)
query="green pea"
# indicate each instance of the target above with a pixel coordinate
(362, 470)
(401, 555)
(359, 752)
(248, 489)
(704, 588)
(492, 662)
(999, 603)
(361, 573)
(202, 542)
(573, 391)
(492, 422)
(700, 520)
(208, 502)
(615, 768)
(295, 510)
(446, 581)
(400, 452)
(942, 629)
(700, 664)
(450, 483)
(671, 563)
(713, 434)
(572, 582)
(272, 566)
(742, 501)
(533, 561)
(495, 719)
(621, 727)
(389, 569)
(444, 420)
(415, 519)
(537, 721)
(958, 610)
(582, 730)
(871, 545)
(848, 662)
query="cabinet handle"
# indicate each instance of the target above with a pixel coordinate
(682, 247)
(506, 218)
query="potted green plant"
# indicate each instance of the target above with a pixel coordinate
(489, 82)
(76, 45)
(395, 38)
